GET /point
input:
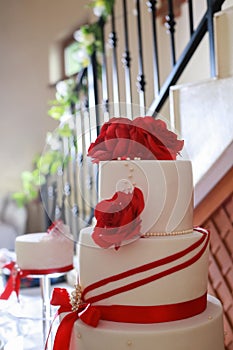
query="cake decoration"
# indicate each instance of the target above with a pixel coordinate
(76, 297)
(55, 227)
(58, 229)
(144, 192)
(142, 137)
(118, 219)
(83, 304)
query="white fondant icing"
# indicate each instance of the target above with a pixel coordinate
(96, 264)
(166, 185)
(198, 332)
(43, 251)
(168, 193)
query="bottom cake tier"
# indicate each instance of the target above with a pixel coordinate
(202, 332)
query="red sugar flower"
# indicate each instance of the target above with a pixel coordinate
(118, 219)
(143, 137)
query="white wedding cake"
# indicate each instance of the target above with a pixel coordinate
(50, 251)
(143, 269)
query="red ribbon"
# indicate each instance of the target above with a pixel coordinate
(147, 267)
(16, 274)
(91, 314)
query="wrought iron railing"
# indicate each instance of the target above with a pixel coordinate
(72, 195)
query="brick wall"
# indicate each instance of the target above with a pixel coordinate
(216, 214)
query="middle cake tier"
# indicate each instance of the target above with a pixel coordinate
(152, 270)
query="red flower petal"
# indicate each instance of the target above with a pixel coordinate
(121, 137)
(118, 218)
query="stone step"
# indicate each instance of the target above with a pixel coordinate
(223, 28)
(202, 115)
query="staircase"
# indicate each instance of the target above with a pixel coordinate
(202, 113)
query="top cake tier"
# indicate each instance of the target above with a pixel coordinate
(167, 187)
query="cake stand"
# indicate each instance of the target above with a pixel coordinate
(45, 289)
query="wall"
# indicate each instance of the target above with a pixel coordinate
(28, 29)
(215, 213)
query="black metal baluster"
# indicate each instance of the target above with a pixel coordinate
(73, 153)
(113, 44)
(104, 67)
(83, 166)
(85, 174)
(126, 63)
(82, 190)
(93, 184)
(170, 24)
(91, 180)
(58, 209)
(52, 195)
(152, 8)
(141, 77)
(46, 197)
(210, 26)
(93, 93)
(190, 5)
(93, 98)
(67, 185)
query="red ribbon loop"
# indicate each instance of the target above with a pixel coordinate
(60, 297)
(90, 315)
(13, 283)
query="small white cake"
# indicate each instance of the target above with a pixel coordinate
(52, 250)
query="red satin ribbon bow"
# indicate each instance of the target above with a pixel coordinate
(88, 314)
(13, 283)
(91, 315)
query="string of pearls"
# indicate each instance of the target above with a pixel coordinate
(174, 233)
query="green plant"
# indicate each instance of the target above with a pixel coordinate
(52, 159)
(44, 165)
(102, 8)
(62, 108)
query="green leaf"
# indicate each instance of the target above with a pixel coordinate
(56, 112)
(20, 199)
(55, 166)
(65, 131)
(26, 176)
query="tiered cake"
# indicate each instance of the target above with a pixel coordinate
(143, 269)
(50, 251)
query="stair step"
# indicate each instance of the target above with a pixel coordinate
(223, 28)
(202, 115)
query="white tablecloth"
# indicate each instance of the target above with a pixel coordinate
(21, 325)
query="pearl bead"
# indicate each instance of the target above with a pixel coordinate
(175, 233)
